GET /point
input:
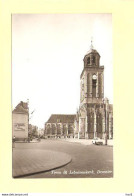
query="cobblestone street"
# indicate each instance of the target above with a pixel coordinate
(87, 160)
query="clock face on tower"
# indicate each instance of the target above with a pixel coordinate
(94, 77)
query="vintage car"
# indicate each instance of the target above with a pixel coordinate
(97, 141)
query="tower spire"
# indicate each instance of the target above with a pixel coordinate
(91, 46)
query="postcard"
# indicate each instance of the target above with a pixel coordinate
(51, 138)
(67, 94)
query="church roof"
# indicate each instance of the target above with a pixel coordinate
(62, 118)
(92, 51)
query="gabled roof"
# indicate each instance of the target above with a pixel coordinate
(23, 104)
(62, 118)
(22, 107)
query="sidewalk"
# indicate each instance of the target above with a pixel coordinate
(29, 161)
(33, 141)
(85, 141)
(76, 140)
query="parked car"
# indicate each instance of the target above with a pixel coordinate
(97, 141)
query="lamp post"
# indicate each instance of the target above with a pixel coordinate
(106, 119)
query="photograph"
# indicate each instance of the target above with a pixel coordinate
(62, 95)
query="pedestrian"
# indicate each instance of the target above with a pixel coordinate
(13, 141)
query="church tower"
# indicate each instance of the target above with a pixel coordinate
(95, 113)
(92, 78)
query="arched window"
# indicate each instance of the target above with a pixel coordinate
(93, 59)
(99, 122)
(88, 60)
(93, 88)
(91, 122)
(53, 129)
(58, 128)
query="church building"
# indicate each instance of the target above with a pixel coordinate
(95, 115)
(60, 126)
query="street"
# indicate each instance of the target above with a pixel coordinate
(88, 161)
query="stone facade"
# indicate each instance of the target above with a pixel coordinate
(60, 126)
(95, 115)
(95, 112)
(96, 120)
(20, 121)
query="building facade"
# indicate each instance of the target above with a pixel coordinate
(20, 120)
(60, 126)
(95, 115)
(95, 112)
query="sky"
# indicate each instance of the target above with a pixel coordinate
(47, 60)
